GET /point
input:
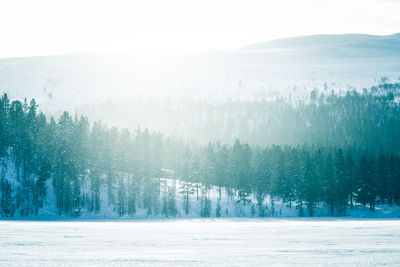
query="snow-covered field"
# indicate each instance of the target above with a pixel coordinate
(223, 242)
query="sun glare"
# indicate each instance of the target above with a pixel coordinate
(52, 27)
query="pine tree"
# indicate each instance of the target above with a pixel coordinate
(172, 209)
(186, 190)
(121, 197)
(6, 203)
(218, 210)
(341, 181)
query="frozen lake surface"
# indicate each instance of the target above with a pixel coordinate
(223, 242)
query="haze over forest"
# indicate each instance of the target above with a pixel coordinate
(307, 124)
(167, 90)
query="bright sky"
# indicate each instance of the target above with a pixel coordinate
(43, 27)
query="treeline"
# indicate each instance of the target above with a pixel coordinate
(368, 119)
(87, 167)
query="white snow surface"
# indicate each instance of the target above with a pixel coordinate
(196, 242)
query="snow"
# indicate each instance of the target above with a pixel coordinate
(196, 242)
(230, 207)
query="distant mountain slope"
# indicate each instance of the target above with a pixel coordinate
(348, 44)
(74, 80)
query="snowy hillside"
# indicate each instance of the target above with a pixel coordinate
(172, 203)
(68, 167)
(267, 130)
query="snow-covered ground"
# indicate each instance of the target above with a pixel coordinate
(221, 242)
